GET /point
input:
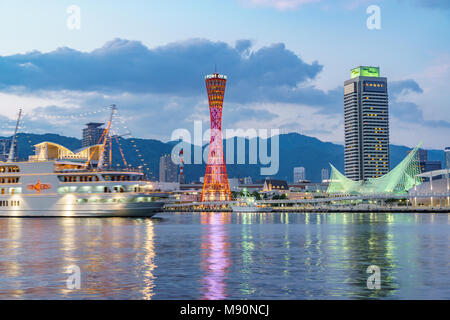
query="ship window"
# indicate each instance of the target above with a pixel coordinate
(15, 203)
(15, 190)
(9, 169)
(9, 180)
(119, 189)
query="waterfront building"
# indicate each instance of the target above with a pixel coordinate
(447, 157)
(299, 174)
(325, 175)
(425, 164)
(246, 180)
(92, 134)
(437, 184)
(166, 186)
(432, 165)
(234, 184)
(366, 124)
(398, 181)
(275, 185)
(168, 171)
(216, 187)
(422, 154)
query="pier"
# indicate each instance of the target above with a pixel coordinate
(357, 203)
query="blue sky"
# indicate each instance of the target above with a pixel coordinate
(286, 62)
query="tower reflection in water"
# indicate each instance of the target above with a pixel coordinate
(215, 255)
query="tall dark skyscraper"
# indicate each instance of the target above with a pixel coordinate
(92, 134)
(168, 171)
(366, 124)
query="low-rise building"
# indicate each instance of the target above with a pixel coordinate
(271, 185)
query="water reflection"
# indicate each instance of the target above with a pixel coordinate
(247, 247)
(149, 260)
(368, 242)
(215, 255)
(9, 261)
(227, 255)
(36, 254)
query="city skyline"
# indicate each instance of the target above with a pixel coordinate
(298, 85)
(224, 155)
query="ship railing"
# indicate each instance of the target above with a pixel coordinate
(95, 170)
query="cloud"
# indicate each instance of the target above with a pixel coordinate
(406, 110)
(177, 68)
(243, 46)
(397, 88)
(161, 89)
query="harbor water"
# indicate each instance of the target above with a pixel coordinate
(227, 256)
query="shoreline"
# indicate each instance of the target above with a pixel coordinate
(325, 210)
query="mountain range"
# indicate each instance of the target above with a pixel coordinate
(295, 150)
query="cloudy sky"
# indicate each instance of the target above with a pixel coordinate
(286, 62)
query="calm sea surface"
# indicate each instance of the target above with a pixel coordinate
(227, 256)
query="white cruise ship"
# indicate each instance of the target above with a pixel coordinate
(57, 182)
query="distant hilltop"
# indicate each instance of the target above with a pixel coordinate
(296, 150)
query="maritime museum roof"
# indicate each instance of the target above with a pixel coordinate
(399, 180)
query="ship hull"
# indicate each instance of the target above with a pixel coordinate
(68, 206)
(147, 212)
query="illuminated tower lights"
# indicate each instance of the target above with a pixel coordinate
(182, 179)
(215, 186)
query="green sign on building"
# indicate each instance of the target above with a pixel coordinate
(365, 72)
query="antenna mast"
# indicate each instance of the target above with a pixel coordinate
(101, 159)
(13, 141)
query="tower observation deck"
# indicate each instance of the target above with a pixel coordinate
(215, 186)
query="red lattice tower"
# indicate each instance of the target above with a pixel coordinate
(215, 186)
